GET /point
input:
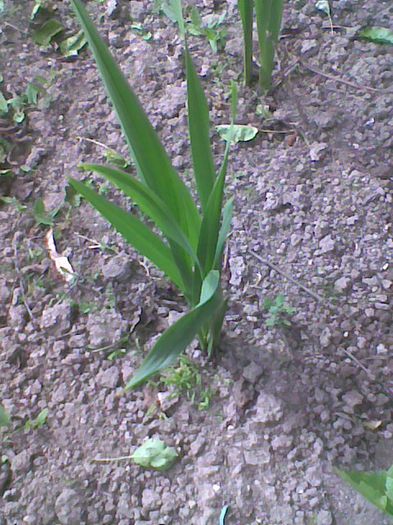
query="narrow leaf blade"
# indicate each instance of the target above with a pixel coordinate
(178, 336)
(133, 231)
(246, 9)
(148, 202)
(153, 164)
(199, 128)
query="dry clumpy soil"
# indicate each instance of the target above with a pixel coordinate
(313, 198)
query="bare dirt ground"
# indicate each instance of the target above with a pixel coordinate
(313, 195)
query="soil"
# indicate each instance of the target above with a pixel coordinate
(313, 207)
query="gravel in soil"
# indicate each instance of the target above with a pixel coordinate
(313, 199)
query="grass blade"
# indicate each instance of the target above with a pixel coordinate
(148, 202)
(246, 8)
(134, 232)
(199, 129)
(178, 336)
(153, 164)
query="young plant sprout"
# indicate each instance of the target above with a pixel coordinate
(190, 245)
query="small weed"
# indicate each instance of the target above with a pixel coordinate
(16, 106)
(210, 28)
(186, 379)
(141, 31)
(13, 201)
(5, 419)
(42, 216)
(278, 311)
(38, 422)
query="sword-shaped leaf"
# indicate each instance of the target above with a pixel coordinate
(199, 129)
(134, 231)
(178, 336)
(246, 8)
(153, 164)
(148, 202)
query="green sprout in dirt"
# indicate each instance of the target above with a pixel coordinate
(189, 247)
(186, 379)
(269, 17)
(376, 487)
(278, 311)
(210, 28)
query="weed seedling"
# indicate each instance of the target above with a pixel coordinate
(278, 311)
(211, 28)
(186, 379)
(38, 422)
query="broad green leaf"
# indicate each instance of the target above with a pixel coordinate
(72, 45)
(199, 128)
(2, 7)
(41, 216)
(114, 158)
(152, 162)
(32, 92)
(371, 485)
(133, 231)
(246, 9)
(241, 133)
(155, 454)
(178, 336)
(148, 202)
(5, 418)
(45, 34)
(378, 35)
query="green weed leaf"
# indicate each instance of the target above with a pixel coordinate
(44, 35)
(72, 46)
(41, 216)
(5, 419)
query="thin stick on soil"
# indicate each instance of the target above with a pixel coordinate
(294, 281)
(108, 460)
(342, 80)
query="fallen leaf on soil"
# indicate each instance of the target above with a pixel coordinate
(373, 424)
(241, 133)
(62, 264)
(378, 35)
(155, 454)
